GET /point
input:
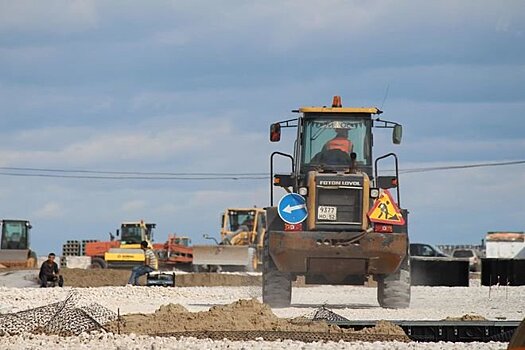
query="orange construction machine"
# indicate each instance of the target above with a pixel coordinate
(126, 252)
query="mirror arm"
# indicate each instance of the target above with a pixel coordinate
(288, 123)
(386, 124)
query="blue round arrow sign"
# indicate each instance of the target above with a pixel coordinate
(292, 208)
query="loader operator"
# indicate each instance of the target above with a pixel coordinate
(151, 264)
(340, 142)
(49, 272)
(335, 151)
(246, 226)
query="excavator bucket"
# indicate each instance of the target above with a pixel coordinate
(518, 339)
(15, 258)
(222, 255)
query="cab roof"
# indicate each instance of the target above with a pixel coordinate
(245, 209)
(127, 223)
(349, 110)
(337, 107)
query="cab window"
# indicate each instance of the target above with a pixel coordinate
(345, 134)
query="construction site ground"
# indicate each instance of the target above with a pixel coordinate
(151, 310)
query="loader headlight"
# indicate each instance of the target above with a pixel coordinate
(374, 193)
(303, 191)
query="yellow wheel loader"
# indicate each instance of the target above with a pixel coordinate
(240, 245)
(14, 248)
(340, 224)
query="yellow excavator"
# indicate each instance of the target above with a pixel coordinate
(14, 247)
(240, 245)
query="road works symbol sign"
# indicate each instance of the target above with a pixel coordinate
(292, 208)
(385, 210)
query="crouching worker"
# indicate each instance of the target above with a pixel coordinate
(49, 272)
(150, 264)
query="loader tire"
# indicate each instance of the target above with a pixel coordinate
(32, 260)
(276, 285)
(252, 260)
(518, 339)
(98, 263)
(393, 291)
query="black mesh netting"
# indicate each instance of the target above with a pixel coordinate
(62, 318)
(327, 315)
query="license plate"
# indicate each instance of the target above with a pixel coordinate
(327, 213)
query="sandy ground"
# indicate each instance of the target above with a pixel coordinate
(18, 278)
(109, 277)
(103, 278)
(353, 302)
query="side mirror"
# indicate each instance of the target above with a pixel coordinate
(222, 220)
(387, 182)
(118, 232)
(275, 132)
(397, 134)
(283, 180)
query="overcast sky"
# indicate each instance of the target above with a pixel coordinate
(192, 86)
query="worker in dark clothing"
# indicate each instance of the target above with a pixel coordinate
(49, 272)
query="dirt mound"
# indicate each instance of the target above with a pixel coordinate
(466, 317)
(171, 308)
(242, 315)
(384, 327)
(96, 277)
(112, 277)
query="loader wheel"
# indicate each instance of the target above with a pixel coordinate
(277, 286)
(98, 263)
(393, 291)
(32, 260)
(518, 339)
(31, 263)
(252, 260)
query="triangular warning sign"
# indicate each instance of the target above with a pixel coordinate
(385, 210)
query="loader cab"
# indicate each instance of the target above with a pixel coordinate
(239, 219)
(331, 140)
(136, 232)
(252, 221)
(15, 234)
(328, 139)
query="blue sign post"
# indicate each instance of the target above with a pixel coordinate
(292, 208)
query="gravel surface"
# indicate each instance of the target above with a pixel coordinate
(357, 303)
(18, 278)
(120, 342)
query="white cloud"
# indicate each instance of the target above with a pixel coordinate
(140, 144)
(483, 149)
(172, 37)
(55, 16)
(50, 210)
(133, 206)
